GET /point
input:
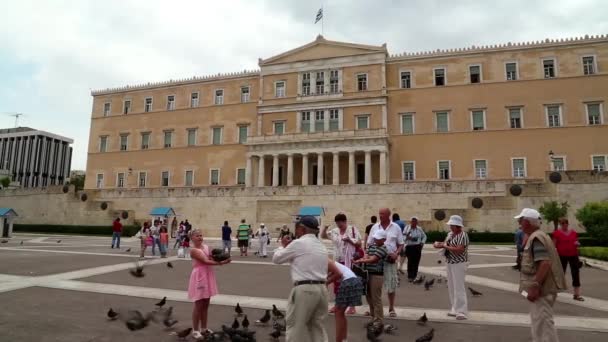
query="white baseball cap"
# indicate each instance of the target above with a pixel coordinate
(455, 220)
(261, 225)
(528, 213)
(379, 234)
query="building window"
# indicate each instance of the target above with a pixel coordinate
(279, 127)
(245, 94)
(145, 140)
(406, 79)
(598, 163)
(240, 176)
(103, 143)
(333, 81)
(142, 179)
(120, 180)
(194, 100)
(171, 102)
(362, 121)
(439, 76)
(216, 135)
(243, 132)
(515, 117)
(279, 89)
(589, 65)
(126, 107)
(189, 179)
(99, 183)
(558, 164)
(319, 121)
(191, 136)
(478, 120)
(219, 97)
(164, 178)
(320, 83)
(442, 121)
(553, 115)
(409, 170)
(305, 123)
(306, 84)
(475, 73)
(511, 71)
(362, 82)
(168, 138)
(407, 123)
(124, 142)
(106, 108)
(481, 169)
(214, 176)
(443, 168)
(334, 120)
(519, 167)
(549, 68)
(148, 104)
(594, 113)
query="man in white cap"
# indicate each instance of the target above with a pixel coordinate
(374, 261)
(263, 237)
(541, 277)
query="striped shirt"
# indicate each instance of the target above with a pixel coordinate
(452, 240)
(381, 252)
(242, 233)
(417, 236)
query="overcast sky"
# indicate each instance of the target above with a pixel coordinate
(52, 53)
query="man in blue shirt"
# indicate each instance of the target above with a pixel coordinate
(226, 242)
(519, 242)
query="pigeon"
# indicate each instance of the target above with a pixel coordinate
(219, 255)
(278, 326)
(238, 310)
(169, 322)
(169, 264)
(136, 321)
(112, 315)
(58, 241)
(475, 293)
(4, 241)
(184, 333)
(275, 334)
(276, 312)
(245, 322)
(228, 330)
(390, 329)
(428, 284)
(264, 320)
(419, 280)
(426, 337)
(440, 280)
(128, 250)
(423, 319)
(162, 302)
(138, 272)
(235, 324)
(21, 243)
(373, 332)
(439, 261)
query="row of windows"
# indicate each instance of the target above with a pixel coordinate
(480, 167)
(122, 178)
(549, 67)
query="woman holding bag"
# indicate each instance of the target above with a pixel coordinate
(566, 243)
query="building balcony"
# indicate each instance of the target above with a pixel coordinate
(318, 136)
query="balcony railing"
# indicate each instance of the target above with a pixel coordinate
(325, 135)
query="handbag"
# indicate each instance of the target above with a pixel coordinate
(149, 241)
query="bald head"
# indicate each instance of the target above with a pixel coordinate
(385, 216)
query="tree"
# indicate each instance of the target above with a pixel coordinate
(552, 211)
(5, 182)
(594, 217)
(78, 182)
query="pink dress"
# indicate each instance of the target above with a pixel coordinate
(202, 279)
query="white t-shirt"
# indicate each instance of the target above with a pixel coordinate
(394, 236)
(347, 273)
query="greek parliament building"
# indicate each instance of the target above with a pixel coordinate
(35, 158)
(331, 113)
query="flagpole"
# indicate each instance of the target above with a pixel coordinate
(322, 19)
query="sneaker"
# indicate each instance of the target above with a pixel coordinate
(452, 314)
(461, 317)
(197, 334)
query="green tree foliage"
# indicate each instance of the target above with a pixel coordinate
(78, 182)
(594, 217)
(552, 211)
(5, 182)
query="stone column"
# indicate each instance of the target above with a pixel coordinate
(290, 169)
(248, 172)
(304, 168)
(275, 170)
(368, 167)
(261, 171)
(320, 168)
(382, 167)
(336, 169)
(351, 167)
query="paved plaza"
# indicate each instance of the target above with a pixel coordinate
(54, 291)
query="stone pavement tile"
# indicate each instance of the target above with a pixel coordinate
(44, 315)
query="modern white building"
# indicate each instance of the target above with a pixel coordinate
(35, 158)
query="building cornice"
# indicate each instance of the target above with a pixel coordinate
(341, 102)
(36, 133)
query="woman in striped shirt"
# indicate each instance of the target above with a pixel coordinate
(455, 249)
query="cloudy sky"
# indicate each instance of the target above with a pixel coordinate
(52, 53)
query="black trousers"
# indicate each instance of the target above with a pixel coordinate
(574, 270)
(413, 254)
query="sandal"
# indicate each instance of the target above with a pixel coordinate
(392, 313)
(332, 310)
(351, 311)
(579, 298)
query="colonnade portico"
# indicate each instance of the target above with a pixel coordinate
(316, 162)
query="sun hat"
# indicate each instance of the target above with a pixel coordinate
(528, 213)
(455, 220)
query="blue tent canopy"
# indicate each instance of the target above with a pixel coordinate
(7, 212)
(311, 211)
(162, 211)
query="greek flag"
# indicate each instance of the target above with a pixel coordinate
(319, 15)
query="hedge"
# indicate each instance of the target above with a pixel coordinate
(600, 253)
(68, 229)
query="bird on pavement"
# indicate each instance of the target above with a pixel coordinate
(245, 322)
(390, 329)
(278, 326)
(162, 302)
(228, 330)
(128, 250)
(169, 264)
(235, 324)
(169, 322)
(422, 320)
(136, 321)
(264, 320)
(112, 315)
(275, 334)
(419, 281)
(184, 333)
(475, 293)
(428, 284)
(21, 243)
(138, 272)
(238, 310)
(276, 312)
(373, 332)
(58, 241)
(426, 337)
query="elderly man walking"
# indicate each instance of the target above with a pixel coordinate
(307, 303)
(541, 276)
(394, 245)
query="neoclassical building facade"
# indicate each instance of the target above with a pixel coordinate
(331, 113)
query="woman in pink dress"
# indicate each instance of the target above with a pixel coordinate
(202, 282)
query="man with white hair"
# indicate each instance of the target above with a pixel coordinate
(541, 276)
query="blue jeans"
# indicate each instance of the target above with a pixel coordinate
(116, 238)
(161, 247)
